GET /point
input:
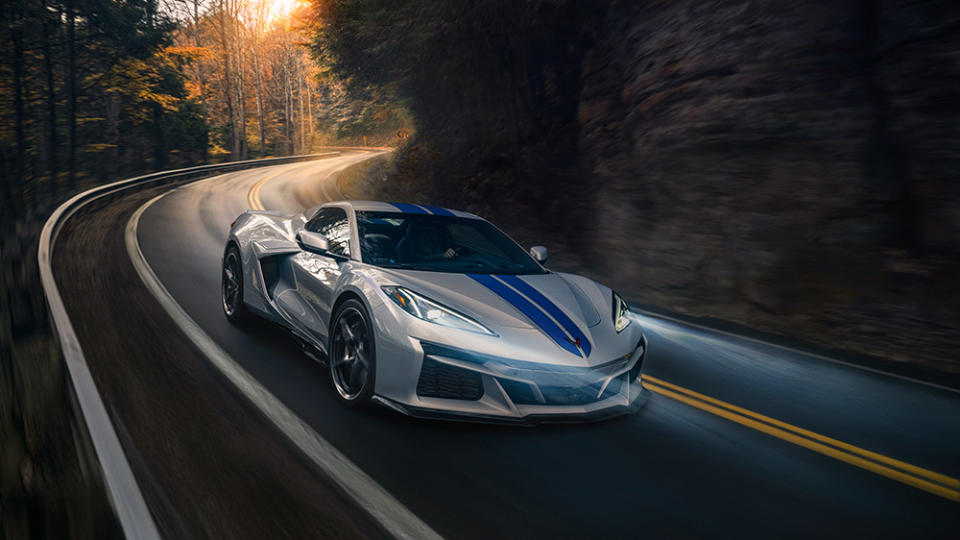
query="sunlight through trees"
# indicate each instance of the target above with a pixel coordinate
(96, 90)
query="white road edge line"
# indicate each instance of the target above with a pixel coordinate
(127, 500)
(124, 493)
(654, 315)
(372, 498)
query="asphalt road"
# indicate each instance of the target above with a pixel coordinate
(697, 461)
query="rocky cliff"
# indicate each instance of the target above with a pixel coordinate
(791, 165)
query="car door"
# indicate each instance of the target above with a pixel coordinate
(316, 274)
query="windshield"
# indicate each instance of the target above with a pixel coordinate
(440, 244)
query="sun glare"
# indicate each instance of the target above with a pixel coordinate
(281, 9)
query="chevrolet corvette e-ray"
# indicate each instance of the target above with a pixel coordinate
(435, 313)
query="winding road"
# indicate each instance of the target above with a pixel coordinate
(741, 438)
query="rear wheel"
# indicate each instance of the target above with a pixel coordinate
(352, 357)
(231, 287)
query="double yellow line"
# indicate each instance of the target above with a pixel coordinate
(253, 196)
(933, 482)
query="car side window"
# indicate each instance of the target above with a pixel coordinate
(333, 224)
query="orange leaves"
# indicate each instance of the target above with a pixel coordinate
(186, 53)
(141, 81)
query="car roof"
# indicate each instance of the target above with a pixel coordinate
(406, 208)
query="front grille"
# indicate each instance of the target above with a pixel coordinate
(520, 392)
(565, 395)
(445, 381)
(523, 394)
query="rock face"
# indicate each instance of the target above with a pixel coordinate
(791, 165)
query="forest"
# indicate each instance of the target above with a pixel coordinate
(99, 89)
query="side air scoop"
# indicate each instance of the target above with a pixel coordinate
(274, 246)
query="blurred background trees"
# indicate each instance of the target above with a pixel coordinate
(92, 90)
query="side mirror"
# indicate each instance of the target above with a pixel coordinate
(539, 254)
(313, 241)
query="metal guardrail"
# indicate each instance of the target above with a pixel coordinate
(125, 496)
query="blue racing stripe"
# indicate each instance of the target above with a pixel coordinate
(531, 311)
(409, 208)
(527, 290)
(436, 210)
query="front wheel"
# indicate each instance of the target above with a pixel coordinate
(352, 356)
(231, 287)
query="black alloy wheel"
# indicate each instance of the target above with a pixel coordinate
(352, 354)
(231, 286)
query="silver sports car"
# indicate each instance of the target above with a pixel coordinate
(435, 313)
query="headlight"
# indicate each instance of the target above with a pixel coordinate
(621, 313)
(422, 307)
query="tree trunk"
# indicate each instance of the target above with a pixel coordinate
(309, 113)
(13, 187)
(287, 106)
(303, 124)
(200, 81)
(159, 141)
(52, 140)
(228, 88)
(111, 167)
(256, 69)
(72, 93)
(16, 36)
(242, 104)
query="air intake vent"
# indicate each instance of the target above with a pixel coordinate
(635, 370)
(520, 393)
(445, 381)
(270, 268)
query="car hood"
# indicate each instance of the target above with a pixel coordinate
(477, 296)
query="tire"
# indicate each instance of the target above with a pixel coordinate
(352, 357)
(231, 287)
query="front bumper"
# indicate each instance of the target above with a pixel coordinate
(457, 384)
(529, 420)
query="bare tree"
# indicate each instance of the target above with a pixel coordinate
(227, 82)
(201, 80)
(260, 9)
(72, 91)
(303, 123)
(53, 143)
(240, 83)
